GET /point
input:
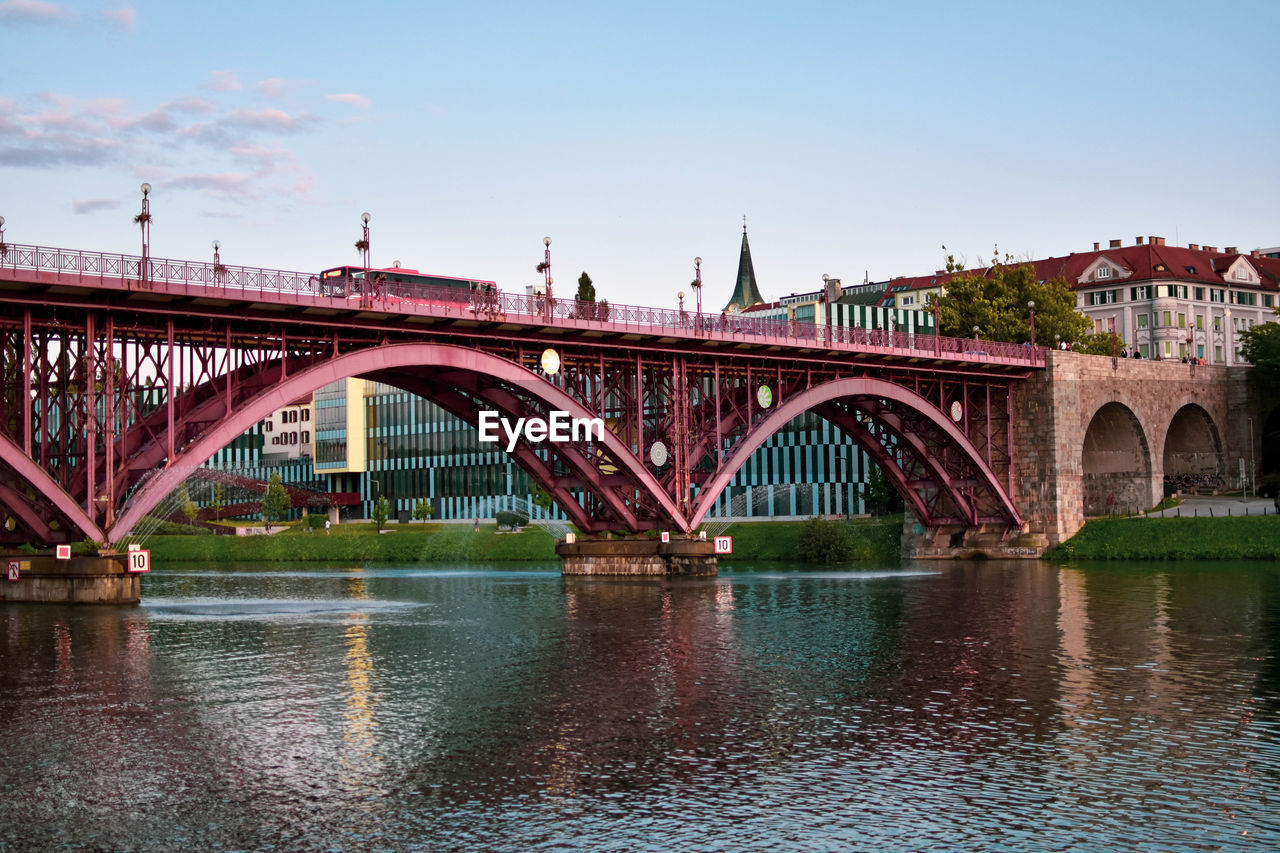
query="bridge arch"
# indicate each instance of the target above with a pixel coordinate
(1116, 464)
(28, 472)
(931, 462)
(1193, 445)
(463, 381)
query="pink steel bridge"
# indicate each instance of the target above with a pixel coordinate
(121, 375)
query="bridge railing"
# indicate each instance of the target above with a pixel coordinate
(101, 265)
(484, 303)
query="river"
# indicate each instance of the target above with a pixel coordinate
(992, 706)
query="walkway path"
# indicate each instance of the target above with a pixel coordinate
(1218, 506)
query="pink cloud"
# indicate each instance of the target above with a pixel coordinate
(92, 205)
(228, 185)
(224, 81)
(36, 12)
(276, 120)
(125, 19)
(274, 87)
(358, 101)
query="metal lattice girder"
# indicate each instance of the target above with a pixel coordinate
(109, 395)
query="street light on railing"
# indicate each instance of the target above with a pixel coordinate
(1227, 334)
(1031, 303)
(4, 250)
(697, 282)
(937, 323)
(219, 271)
(545, 269)
(144, 222)
(975, 334)
(362, 245)
(680, 296)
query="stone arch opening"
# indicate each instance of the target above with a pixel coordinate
(1116, 463)
(1192, 451)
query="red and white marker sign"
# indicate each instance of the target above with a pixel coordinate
(664, 536)
(139, 561)
(724, 544)
(14, 573)
(64, 552)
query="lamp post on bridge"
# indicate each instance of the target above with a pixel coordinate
(219, 271)
(1031, 303)
(696, 284)
(362, 245)
(1227, 336)
(680, 296)
(975, 334)
(4, 250)
(144, 221)
(545, 269)
(937, 323)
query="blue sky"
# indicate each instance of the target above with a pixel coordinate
(856, 138)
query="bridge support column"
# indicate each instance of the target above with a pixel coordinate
(962, 543)
(638, 557)
(43, 579)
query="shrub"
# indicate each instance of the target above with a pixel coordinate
(511, 520)
(823, 541)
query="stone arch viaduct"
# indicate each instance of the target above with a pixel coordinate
(1097, 436)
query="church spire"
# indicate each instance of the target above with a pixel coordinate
(745, 292)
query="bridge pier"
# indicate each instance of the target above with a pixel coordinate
(954, 542)
(42, 579)
(638, 557)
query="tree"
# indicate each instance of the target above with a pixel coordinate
(188, 506)
(422, 509)
(584, 306)
(996, 301)
(540, 497)
(276, 503)
(1260, 346)
(1102, 343)
(380, 509)
(219, 502)
(878, 494)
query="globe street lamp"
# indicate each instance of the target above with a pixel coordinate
(1031, 303)
(219, 271)
(937, 323)
(697, 282)
(1227, 335)
(144, 221)
(545, 269)
(4, 250)
(362, 245)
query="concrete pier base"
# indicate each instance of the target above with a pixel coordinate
(960, 543)
(42, 579)
(640, 557)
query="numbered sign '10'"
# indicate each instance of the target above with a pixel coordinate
(724, 544)
(139, 561)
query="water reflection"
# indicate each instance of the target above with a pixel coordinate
(1010, 705)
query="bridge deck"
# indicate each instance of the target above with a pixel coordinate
(49, 276)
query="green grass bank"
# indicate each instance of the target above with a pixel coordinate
(867, 540)
(1254, 537)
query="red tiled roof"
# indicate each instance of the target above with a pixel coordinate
(1180, 264)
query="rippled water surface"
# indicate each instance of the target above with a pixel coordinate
(1013, 706)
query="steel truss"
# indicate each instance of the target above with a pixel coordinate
(103, 407)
